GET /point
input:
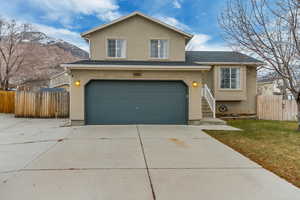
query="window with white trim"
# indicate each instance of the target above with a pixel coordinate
(230, 78)
(116, 48)
(159, 49)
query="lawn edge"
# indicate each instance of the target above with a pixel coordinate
(239, 150)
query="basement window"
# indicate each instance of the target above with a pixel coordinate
(116, 48)
(159, 49)
(230, 78)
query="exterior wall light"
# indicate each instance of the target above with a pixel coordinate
(77, 83)
(195, 84)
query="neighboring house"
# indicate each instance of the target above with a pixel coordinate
(273, 87)
(140, 73)
(61, 80)
(268, 88)
(33, 85)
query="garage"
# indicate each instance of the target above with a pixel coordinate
(136, 102)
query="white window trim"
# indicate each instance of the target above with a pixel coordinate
(90, 49)
(125, 48)
(220, 78)
(168, 49)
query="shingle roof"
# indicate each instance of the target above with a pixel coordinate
(218, 57)
(193, 58)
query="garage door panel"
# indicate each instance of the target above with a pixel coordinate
(136, 102)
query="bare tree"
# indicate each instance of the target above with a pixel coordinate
(12, 49)
(270, 30)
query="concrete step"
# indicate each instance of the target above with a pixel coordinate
(207, 116)
(206, 111)
(205, 106)
(211, 121)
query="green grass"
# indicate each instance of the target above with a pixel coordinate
(273, 144)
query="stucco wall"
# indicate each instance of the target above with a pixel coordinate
(238, 102)
(137, 31)
(247, 106)
(84, 76)
(230, 94)
(208, 79)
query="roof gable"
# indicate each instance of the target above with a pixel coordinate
(187, 35)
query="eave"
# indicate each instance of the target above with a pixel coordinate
(138, 67)
(231, 63)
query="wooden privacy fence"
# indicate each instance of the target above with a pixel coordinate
(7, 101)
(45, 104)
(274, 107)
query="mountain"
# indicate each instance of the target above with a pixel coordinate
(43, 39)
(44, 54)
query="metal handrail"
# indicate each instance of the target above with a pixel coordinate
(210, 99)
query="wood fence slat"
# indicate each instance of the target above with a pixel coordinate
(42, 104)
(273, 107)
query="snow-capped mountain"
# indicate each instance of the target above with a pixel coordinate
(43, 39)
(40, 37)
(44, 57)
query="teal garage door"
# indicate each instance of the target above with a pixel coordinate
(136, 102)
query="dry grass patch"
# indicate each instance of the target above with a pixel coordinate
(273, 144)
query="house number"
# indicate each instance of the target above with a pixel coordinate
(137, 74)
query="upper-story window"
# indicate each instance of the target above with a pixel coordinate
(116, 48)
(230, 78)
(159, 49)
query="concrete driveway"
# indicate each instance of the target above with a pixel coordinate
(40, 160)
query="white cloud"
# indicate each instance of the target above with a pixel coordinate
(63, 34)
(173, 22)
(66, 10)
(176, 4)
(200, 42)
(109, 16)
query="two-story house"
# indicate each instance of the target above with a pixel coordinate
(140, 73)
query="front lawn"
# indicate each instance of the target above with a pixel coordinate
(273, 144)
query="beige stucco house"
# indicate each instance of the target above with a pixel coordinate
(61, 80)
(140, 73)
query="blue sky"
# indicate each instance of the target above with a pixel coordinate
(66, 19)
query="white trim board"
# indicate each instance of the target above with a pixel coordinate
(137, 67)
